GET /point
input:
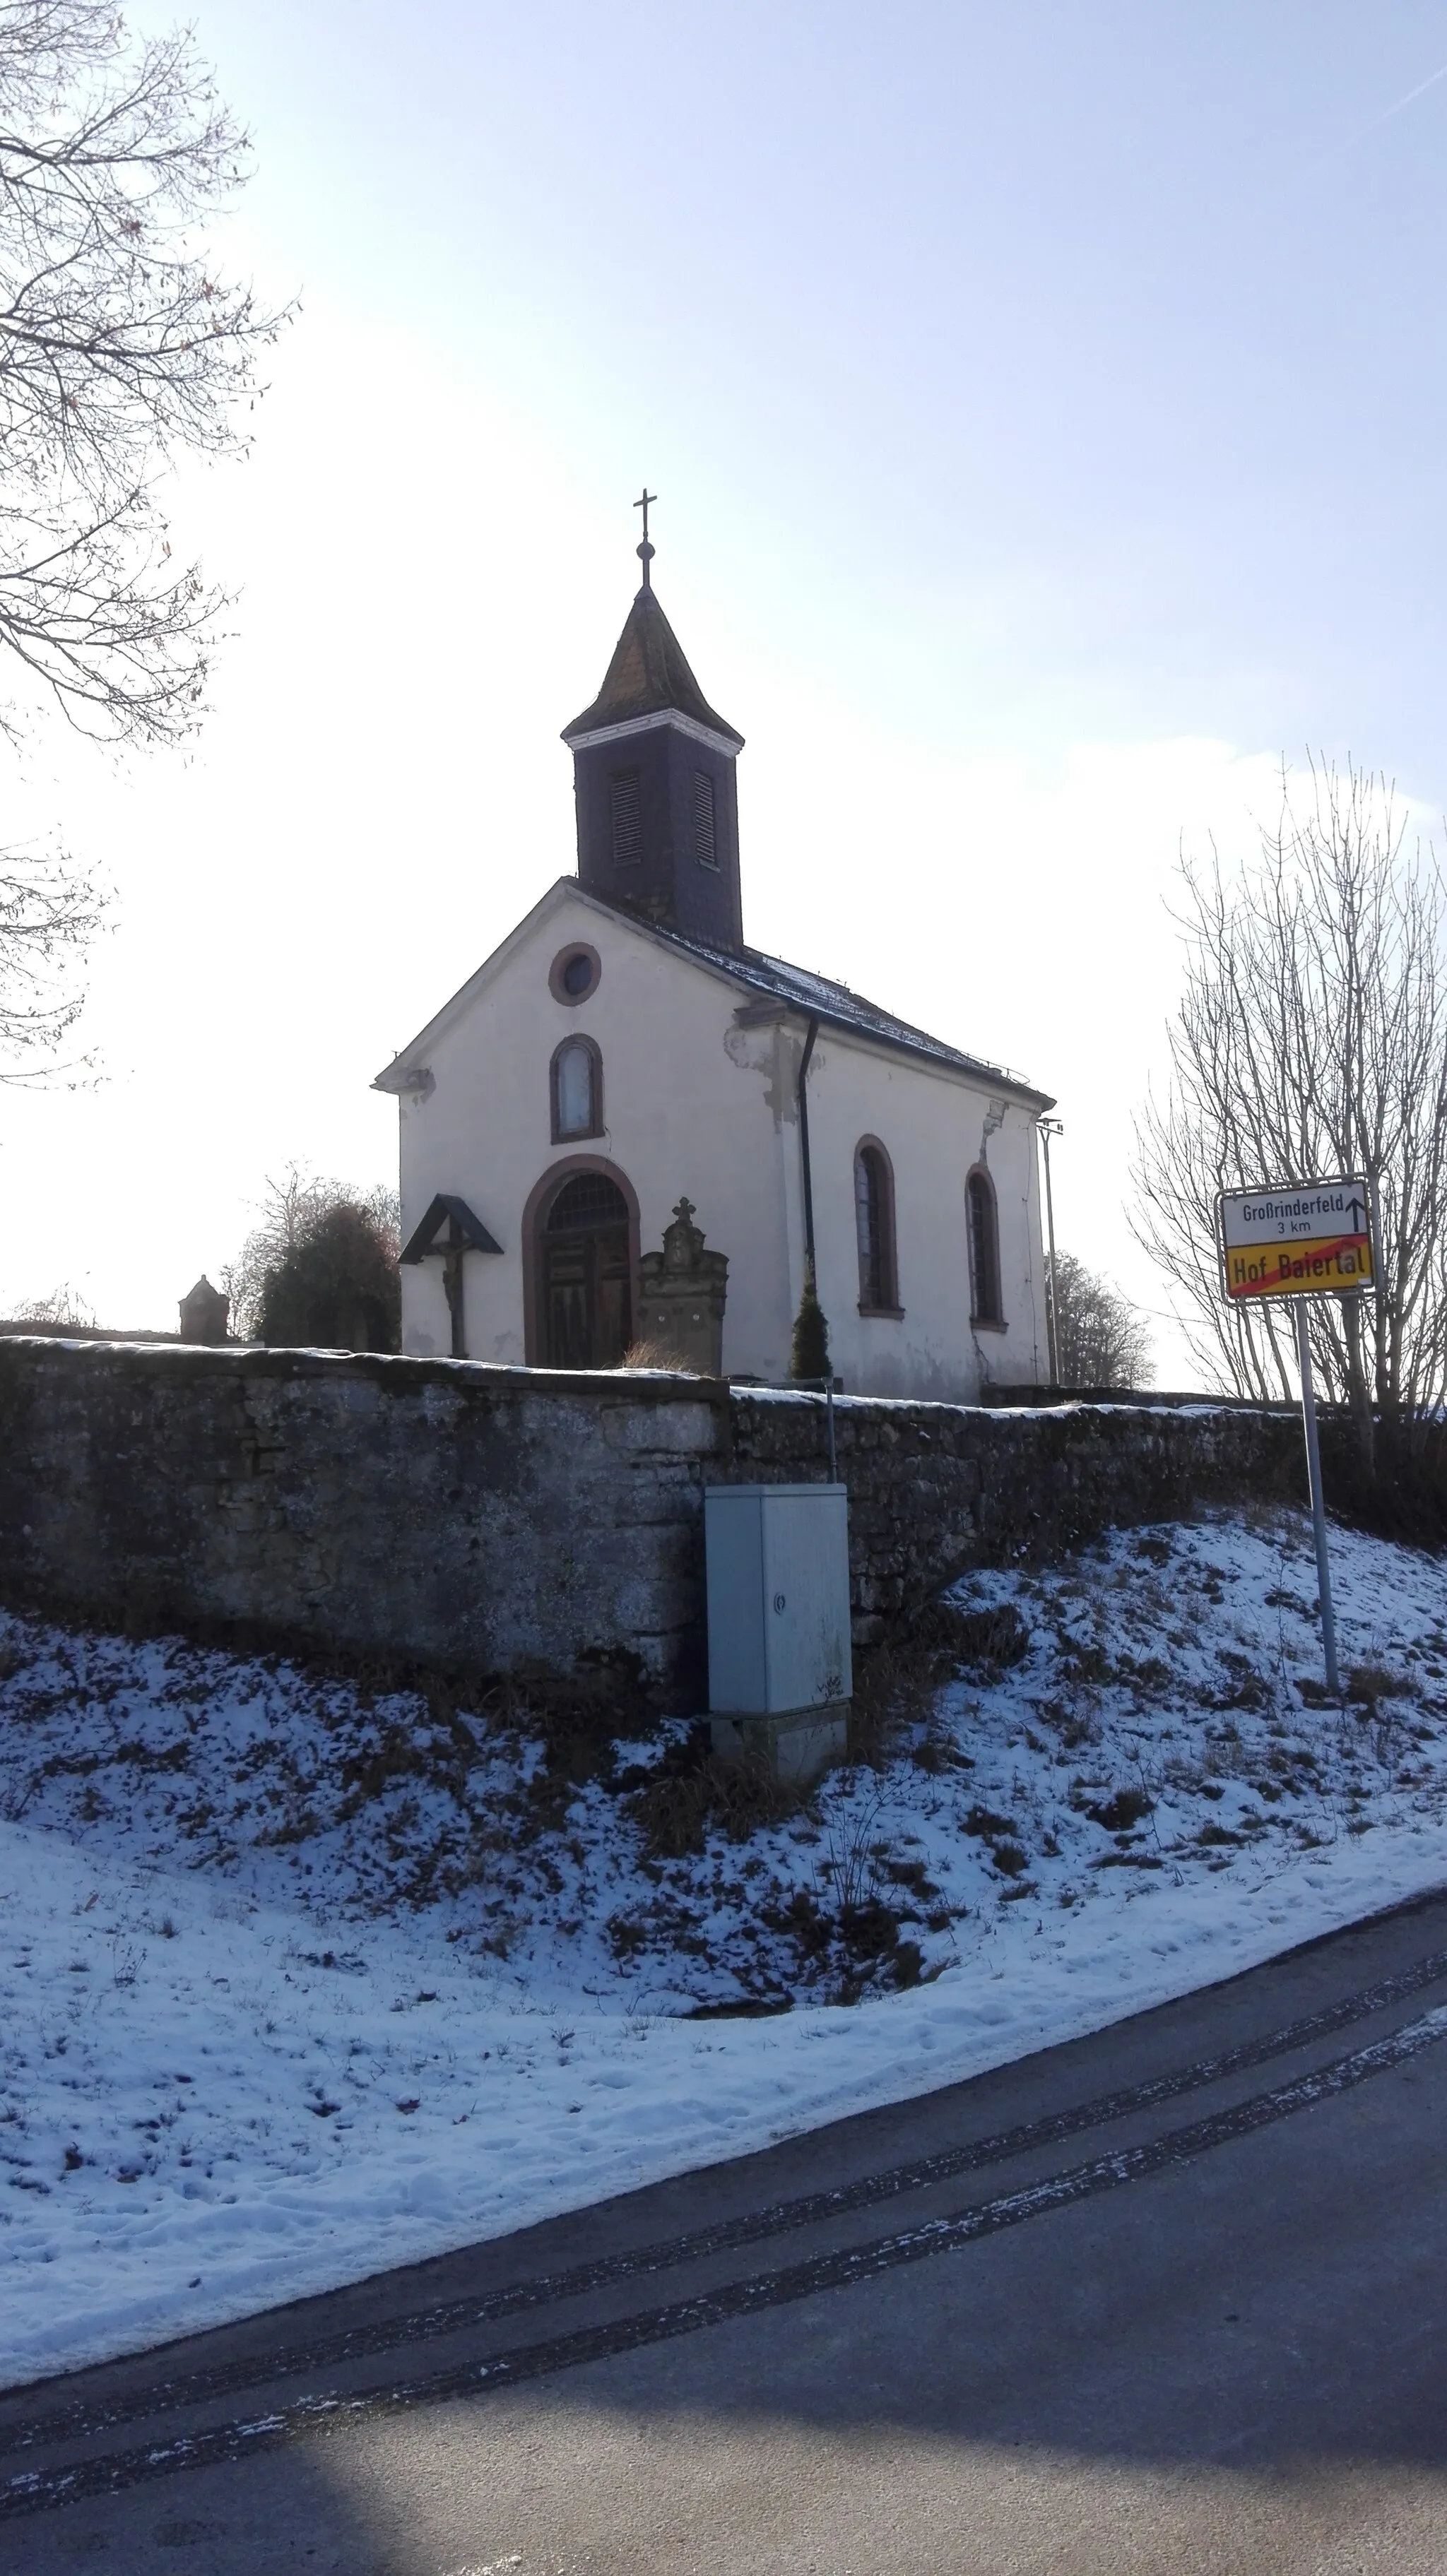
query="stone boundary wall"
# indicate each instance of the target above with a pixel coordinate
(936, 1488)
(487, 1522)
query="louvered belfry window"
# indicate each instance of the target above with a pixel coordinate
(625, 807)
(703, 827)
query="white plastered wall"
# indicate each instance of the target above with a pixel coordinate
(695, 1102)
(680, 1116)
(936, 1127)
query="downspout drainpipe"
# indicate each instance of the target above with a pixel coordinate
(808, 1180)
(807, 1169)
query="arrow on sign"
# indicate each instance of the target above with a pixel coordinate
(1359, 1212)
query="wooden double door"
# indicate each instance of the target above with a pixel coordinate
(587, 1284)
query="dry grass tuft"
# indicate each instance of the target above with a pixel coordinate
(657, 1355)
(1371, 1683)
(676, 1808)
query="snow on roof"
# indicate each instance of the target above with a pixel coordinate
(776, 980)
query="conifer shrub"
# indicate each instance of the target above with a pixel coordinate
(337, 1288)
(809, 1355)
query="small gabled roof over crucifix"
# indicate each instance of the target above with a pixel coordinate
(465, 1232)
(649, 673)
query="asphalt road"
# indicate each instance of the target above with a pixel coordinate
(1168, 2299)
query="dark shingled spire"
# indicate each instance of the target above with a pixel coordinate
(653, 778)
(648, 675)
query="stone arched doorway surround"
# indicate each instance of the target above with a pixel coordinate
(535, 1219)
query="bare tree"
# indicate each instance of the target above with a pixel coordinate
(120, 350)
(1312, 1039)
(65, 1305)
(1101, 1339)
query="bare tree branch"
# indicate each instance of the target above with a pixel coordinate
(49, 914)
(120, 348)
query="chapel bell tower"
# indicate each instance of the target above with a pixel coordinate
(653, 774)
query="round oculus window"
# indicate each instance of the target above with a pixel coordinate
(574, 974)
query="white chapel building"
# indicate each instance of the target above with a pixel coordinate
(625, 1066)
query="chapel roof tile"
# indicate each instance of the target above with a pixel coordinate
(648, 675)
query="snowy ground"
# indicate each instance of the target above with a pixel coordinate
(298, 1982)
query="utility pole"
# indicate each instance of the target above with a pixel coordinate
(1049, 1127)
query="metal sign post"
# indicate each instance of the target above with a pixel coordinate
(1300, 1240)
(1318, 1506)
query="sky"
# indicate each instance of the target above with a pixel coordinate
(1044, 405)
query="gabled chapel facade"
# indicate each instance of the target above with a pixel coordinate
(630, 1129)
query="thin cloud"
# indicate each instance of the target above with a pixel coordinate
(1329, 156)
(1419, 92)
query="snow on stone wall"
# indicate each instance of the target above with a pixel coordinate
(491, 1521)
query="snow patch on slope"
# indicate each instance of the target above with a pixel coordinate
(299, 1981)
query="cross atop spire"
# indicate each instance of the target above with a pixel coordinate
(645, 551)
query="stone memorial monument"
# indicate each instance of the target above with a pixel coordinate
(681, 1294)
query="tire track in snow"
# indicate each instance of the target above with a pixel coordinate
(86, 2419)
(109, 2473)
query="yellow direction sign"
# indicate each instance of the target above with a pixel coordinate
(1308, 1240)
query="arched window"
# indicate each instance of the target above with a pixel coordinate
(577, 1089)
(874, 1226)
(985, 1307)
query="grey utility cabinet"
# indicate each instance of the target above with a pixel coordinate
(779, 1668)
